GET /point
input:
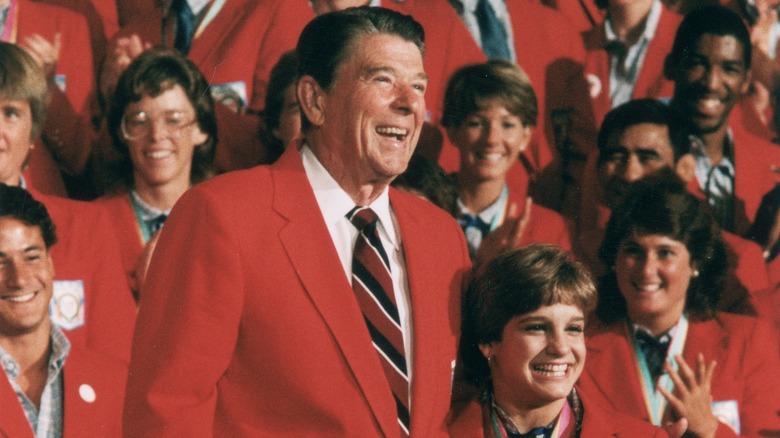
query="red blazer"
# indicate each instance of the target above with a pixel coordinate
(131, 241)
(550, 51)
(99, 418)
(584, 14)
(242, 44)
(598, 420)
(87, 250)
(545, 225)
(650, 82)
(750, 270)
(754, 177)
(249, 327)
(747, 371)
(68, 123)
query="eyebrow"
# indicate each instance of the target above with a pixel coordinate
(382, 69)
(543, 319)
(29, 249)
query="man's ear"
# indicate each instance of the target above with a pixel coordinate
(748, 81)
(311, 99)
(686, 168)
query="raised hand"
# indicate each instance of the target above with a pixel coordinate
(692, 397)
(506, 236)
(45, 53)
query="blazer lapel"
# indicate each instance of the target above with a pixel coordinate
(415, 255)
(218, 30)
(310, 249)
(651, 81)
(612, 359)
(708, 338)
(13, 422)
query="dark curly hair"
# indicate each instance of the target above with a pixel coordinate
(515, 283)
(660, 204)
(19, 204)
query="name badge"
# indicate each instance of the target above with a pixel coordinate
(231, 94)
(67, 304)
(727, 412)
(61, 82)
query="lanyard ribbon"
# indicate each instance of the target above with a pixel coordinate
(564, 425)
(654, 400)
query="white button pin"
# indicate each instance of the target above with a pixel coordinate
(87, 393)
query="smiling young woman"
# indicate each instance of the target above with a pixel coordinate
(522, 349)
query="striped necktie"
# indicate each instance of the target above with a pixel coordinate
(373, 288)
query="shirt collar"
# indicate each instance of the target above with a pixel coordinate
(60, 347)
(699, 150)
(469, 5)
(198, 5)
(489, 214)
(651, 23)
(669, 334)
(334, 202)
(146, 211)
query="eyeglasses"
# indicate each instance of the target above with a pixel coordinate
(138, 125)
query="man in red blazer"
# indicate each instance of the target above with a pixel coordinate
(710, 67)
(91, 303)
(49, 387)
(649, 79)
(248, 323)
(638, 139)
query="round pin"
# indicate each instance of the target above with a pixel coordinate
(87, 393)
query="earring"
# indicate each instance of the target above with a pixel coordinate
(695, 273)
(491, 360)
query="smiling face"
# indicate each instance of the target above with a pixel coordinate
(539, 357)
(366, 125)
(26, 273)
(709, 80)
(640, 150)
(489, 141)
(164, 155)
(653, 273)
(15, 140)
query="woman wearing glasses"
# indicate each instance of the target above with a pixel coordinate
(164, 130)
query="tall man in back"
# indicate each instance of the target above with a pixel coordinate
(266, 311)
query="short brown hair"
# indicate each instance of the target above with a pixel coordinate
(515, 283)
(22, 79)
(471, 87)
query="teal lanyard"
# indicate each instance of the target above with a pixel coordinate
(654, 400)
(146, 233)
